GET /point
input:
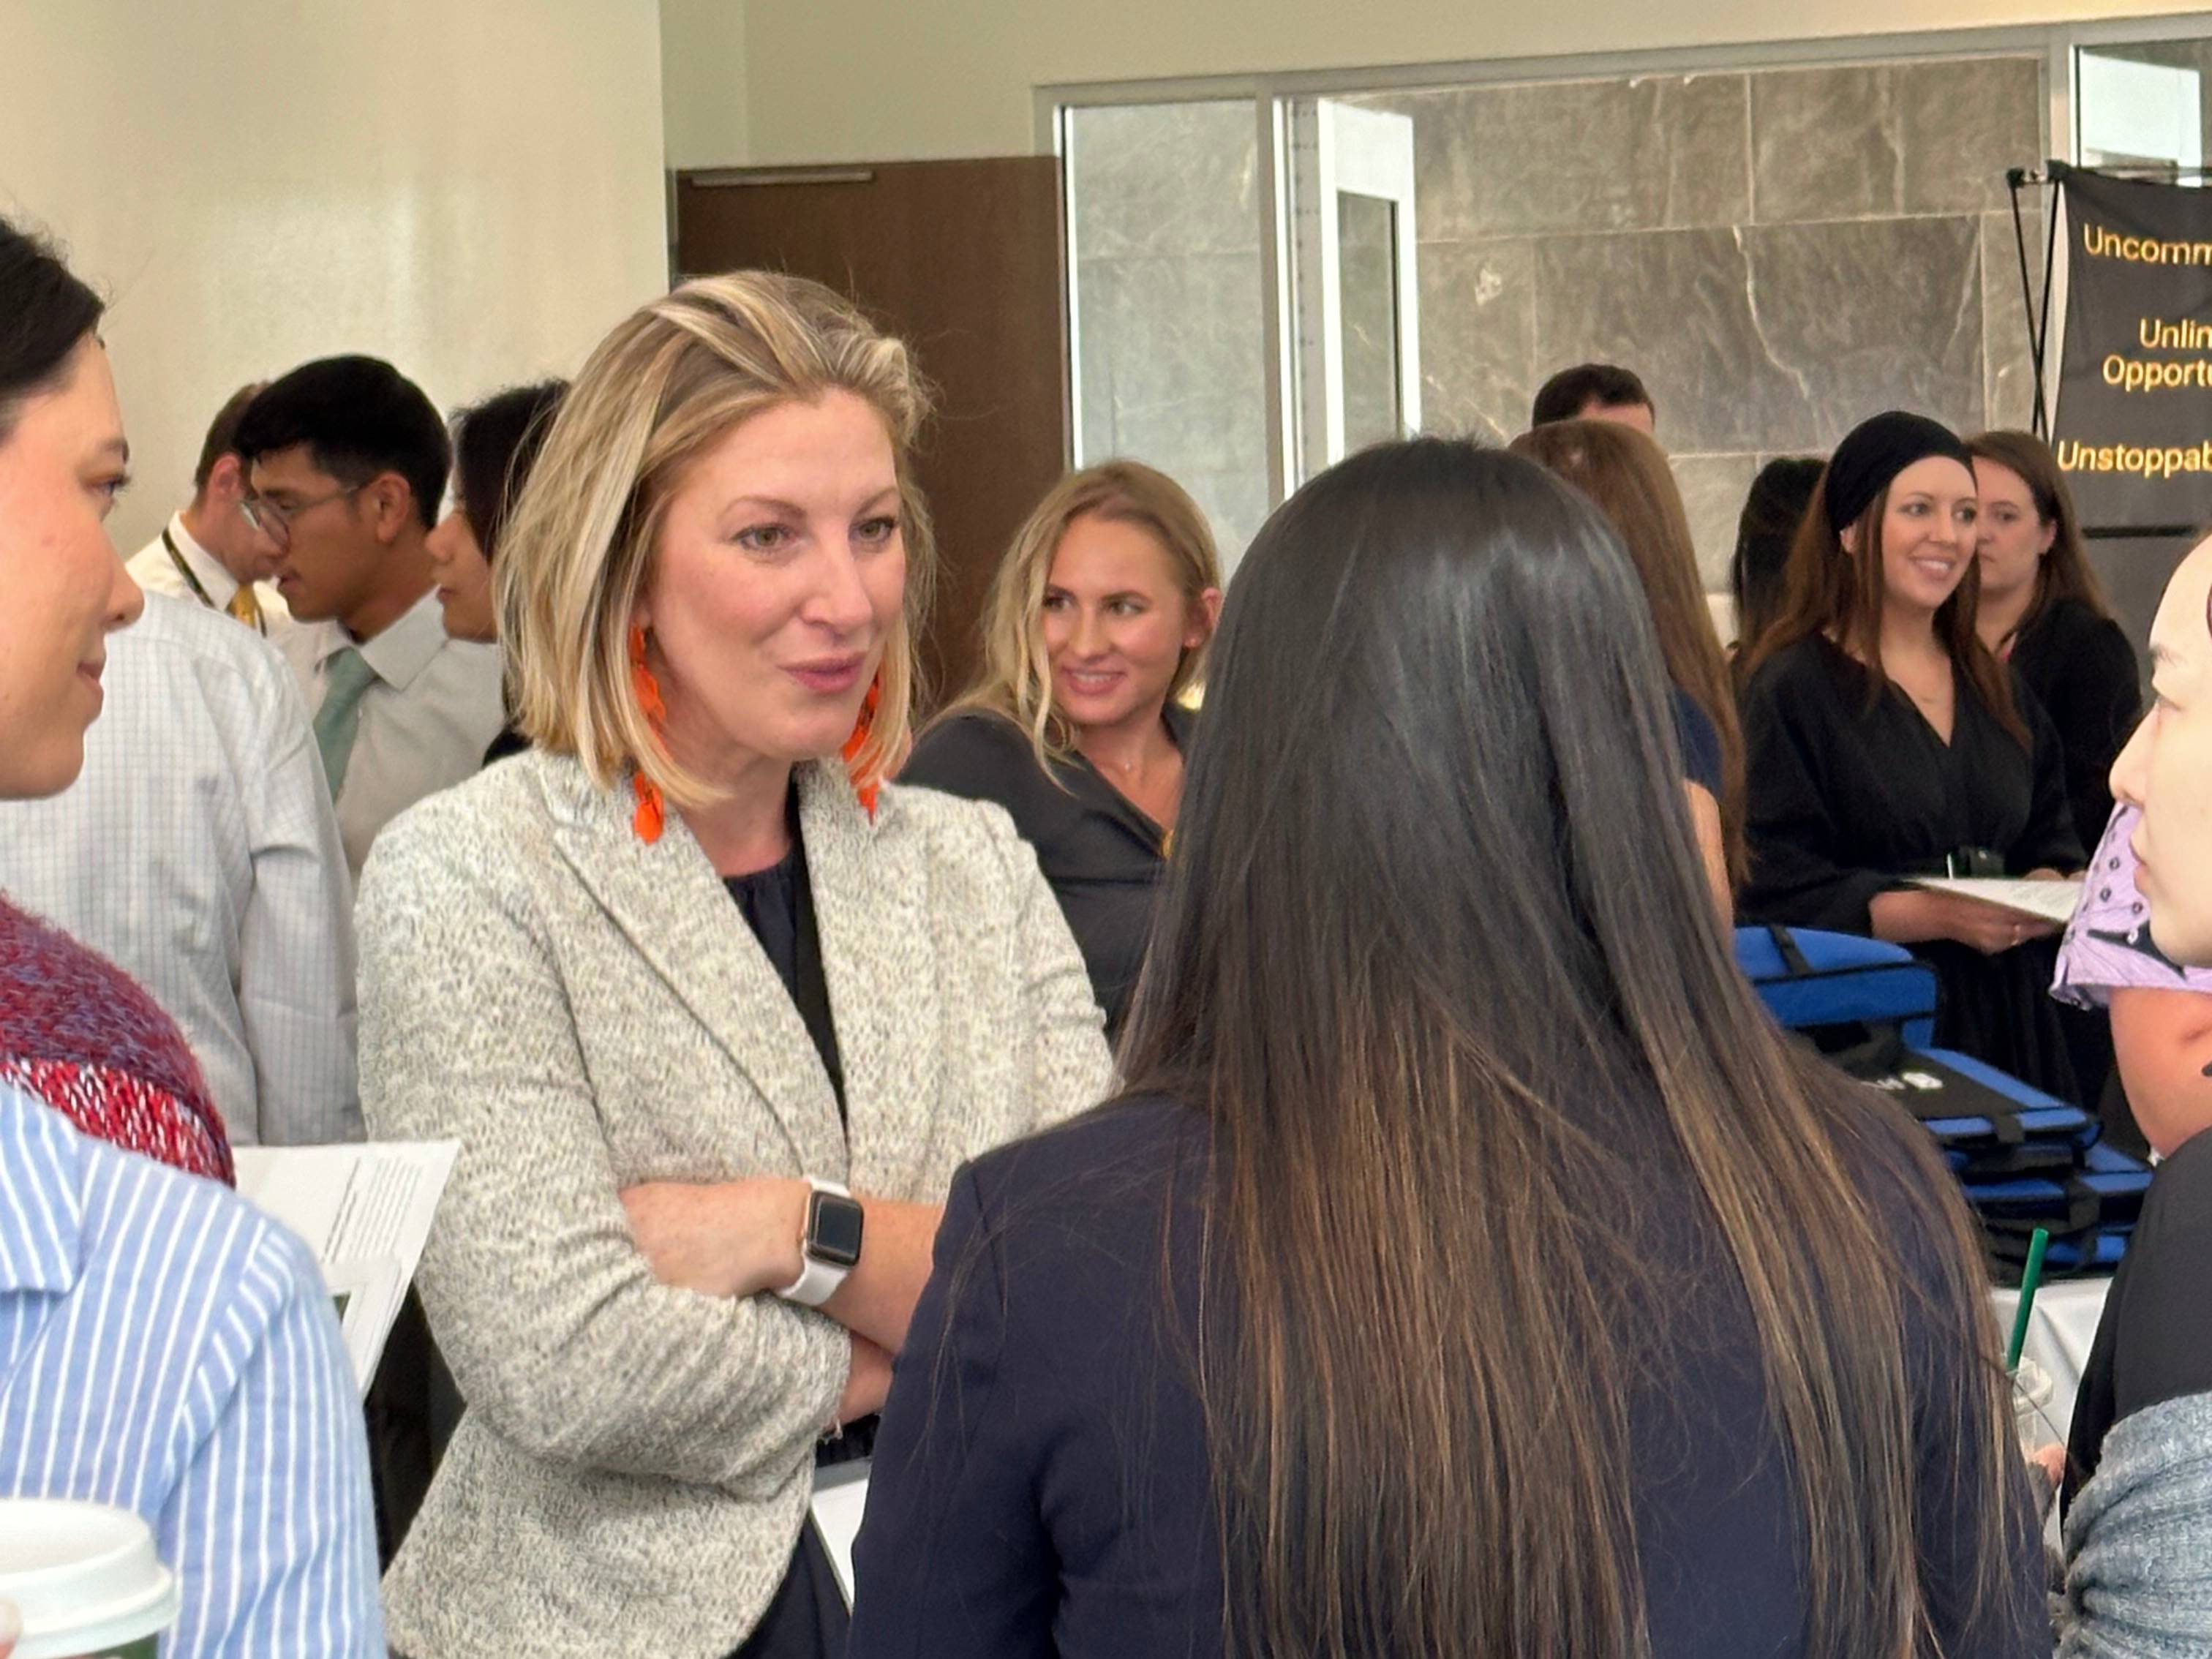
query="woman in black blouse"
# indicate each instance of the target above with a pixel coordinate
(1097, 625)
(1884, 742)
(2041, 609)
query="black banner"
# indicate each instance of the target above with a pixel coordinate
(2133, 429)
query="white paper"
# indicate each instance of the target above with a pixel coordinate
(2046, 901)
(364, 1211)
(841, 1497)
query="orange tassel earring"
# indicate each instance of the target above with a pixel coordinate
(861, 727)
(652, 815)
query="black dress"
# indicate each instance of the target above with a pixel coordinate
(1847, 799)
(2153, 1342)
(1102, 856)
(2082, 670)
(806, 1619)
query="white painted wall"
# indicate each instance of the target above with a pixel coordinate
(470, 188)
(887, 80)
(702, 78)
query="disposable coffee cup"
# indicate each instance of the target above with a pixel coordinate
(2031, 1392)
(86, 1579)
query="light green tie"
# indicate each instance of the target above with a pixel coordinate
(346, 676)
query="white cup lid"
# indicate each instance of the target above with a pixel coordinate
(83, 1575)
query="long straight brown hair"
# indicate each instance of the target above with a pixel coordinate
(1434, 888)
(1830, 592)
(1627, 475)
(2064, 572)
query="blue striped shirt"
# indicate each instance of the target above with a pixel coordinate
(167, 1347)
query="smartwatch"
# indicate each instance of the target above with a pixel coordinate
(829, 1245)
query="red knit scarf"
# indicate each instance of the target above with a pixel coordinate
(82, 1035)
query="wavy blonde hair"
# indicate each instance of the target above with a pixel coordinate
(669, 383)
(1016, 680)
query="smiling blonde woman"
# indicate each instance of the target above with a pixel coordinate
(714, 1013)
(1096, 628)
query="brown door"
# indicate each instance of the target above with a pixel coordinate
(962, 260)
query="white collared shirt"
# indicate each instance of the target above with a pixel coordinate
(198, 851)
(155, 572)
(425, 723)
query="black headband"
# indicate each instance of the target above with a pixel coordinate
(1874, 452)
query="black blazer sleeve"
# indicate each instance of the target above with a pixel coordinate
(953, 1559)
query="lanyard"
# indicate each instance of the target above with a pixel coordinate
(186, 571)
(176, 558)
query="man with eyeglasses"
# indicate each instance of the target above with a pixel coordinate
(346, 464)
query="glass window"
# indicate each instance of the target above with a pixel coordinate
(1166, 263)
(2143, 105)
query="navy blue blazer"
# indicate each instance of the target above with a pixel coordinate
(1041, 1485)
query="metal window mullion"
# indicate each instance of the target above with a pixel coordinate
(1275, 299)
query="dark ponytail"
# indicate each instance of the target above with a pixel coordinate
(495, 443)
(44, 311)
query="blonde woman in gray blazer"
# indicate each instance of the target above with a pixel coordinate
(650, 1288)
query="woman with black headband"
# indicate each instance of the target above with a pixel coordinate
(1884, 742)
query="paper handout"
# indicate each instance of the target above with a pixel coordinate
(841, 1497)
(2046, 901)
(364, 1211)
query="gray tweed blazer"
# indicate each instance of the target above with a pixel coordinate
(583, 1012)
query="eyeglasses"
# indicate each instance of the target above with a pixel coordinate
(276, 522)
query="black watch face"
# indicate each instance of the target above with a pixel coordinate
(833, 1230)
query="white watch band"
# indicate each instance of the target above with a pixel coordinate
(817, 1280)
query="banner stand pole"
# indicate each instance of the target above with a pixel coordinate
(2057, 173)
(2017, 179)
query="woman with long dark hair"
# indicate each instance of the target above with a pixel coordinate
(1471, 1268)
(2042, 609)
(495, 444)
(1885, 743)
(1627, 475)
(1773, 509)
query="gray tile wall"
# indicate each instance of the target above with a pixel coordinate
(1172, 338)
(1778, 252)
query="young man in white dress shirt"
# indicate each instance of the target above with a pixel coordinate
(346, 464)
(198, 852)
(209, 552)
